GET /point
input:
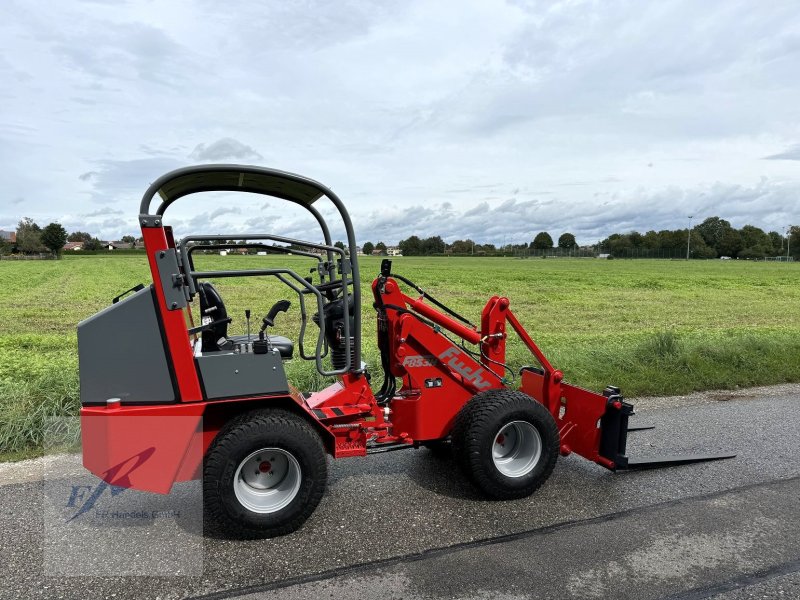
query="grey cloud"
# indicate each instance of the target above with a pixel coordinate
(769, 205)
(126, 180)
(225, 210)
(103, 212)
(224, 149)
(791, 153)
(119, 51)
(87, 176)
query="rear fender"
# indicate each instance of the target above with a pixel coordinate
(139, 447)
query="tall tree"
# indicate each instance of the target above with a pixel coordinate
(794, 241)
(54, 236)
(712, 230)
(411, 246)
(368, 247)
(567, 241)
(542, 241)
(128, 239)
(432, 245)
(754, 239)
(462, 246)
(29, 236)
(79, 236)
(777, 242)
(92, 244)
(730, 243)
(381, 247)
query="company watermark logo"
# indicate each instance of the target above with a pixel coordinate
(116, 480)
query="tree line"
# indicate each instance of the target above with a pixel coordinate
(415, 246)
(713, 238)
(32, 239)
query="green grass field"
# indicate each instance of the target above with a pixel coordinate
(650, 327)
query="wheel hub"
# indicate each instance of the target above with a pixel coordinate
(516, 449)
(267, 480)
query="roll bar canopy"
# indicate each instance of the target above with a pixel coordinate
(232, 178)
(258, 180)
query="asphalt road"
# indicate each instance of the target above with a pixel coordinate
(407, 525)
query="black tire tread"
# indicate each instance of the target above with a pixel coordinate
(242, 427)
(475, 417)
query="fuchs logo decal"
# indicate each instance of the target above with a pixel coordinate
(426, 360)
(450, 357)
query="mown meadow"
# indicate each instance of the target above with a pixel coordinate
(651, 327)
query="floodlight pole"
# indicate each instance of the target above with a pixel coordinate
(788, 237)
(689, 237)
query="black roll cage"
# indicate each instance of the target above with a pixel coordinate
(300, 292)
(286, 186)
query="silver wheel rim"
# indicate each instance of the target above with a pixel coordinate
(267, 480)
(516, 449)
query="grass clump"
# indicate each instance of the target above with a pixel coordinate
(29, 407)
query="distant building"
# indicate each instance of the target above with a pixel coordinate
(394, 251)
(73, 246)
(603, 256)
(118, 245)
(9, 236)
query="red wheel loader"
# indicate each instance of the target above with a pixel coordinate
(259, 444)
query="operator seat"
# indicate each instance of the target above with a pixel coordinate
(216, 338)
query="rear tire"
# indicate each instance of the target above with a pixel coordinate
(264, 475)
(506, 443)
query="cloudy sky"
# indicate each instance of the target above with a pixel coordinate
(491, 120)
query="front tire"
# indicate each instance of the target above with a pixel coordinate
(506, 443)
(264, 475)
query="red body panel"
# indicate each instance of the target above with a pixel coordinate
(140, 447)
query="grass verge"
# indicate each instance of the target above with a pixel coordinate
(662, 363)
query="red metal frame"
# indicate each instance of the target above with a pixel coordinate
(132, 446)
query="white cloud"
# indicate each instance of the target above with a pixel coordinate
(224, 149)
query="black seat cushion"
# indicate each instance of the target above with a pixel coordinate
(284, 345)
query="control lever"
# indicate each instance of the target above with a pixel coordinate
(279, 306)
(261, 346)
(247, 318)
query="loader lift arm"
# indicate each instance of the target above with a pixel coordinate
(591, 425)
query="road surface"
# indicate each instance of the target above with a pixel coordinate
(407, 525)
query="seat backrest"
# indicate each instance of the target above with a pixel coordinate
(212, 307)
